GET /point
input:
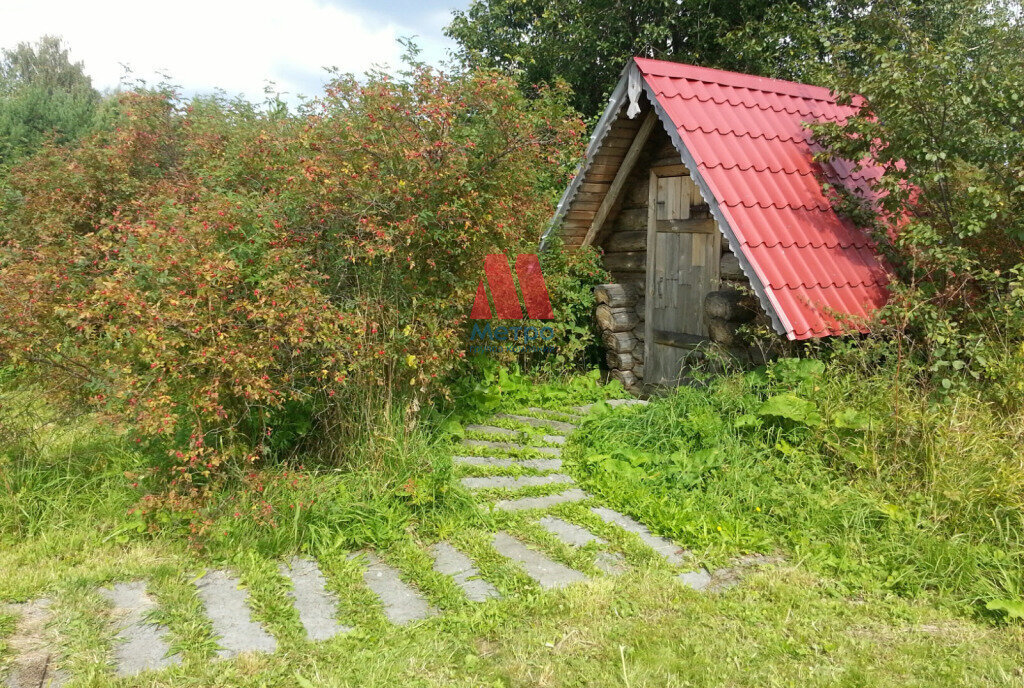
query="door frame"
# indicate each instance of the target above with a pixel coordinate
(652, 244)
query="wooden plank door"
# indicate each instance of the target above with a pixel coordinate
(682, 268)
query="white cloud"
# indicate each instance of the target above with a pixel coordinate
(236, 45)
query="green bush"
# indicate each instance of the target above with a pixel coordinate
(855, 468)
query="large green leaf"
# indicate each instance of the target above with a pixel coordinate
(790, 407)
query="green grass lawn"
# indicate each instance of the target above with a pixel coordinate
(848, 605)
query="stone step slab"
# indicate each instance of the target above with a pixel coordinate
(569, 533)
(494, 430)
(574, 535)
(451, 562)
(547, 572)
(523, 503)
(510, 446)
(666, 548)
(568, 414)
(317, 607)
(554, 439)
(557, 425)
(141, 645)
(402, 603)
(538, 464)
(699, 580)
(227, 607)
(506, 482)
(35, 658)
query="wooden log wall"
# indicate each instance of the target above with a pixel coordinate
(620, 318)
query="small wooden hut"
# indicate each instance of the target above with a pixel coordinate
(700, 187)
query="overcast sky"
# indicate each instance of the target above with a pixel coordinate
(236, 45)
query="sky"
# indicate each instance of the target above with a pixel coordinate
(234, 45)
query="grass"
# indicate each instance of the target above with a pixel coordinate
(818, 465)
(849, 606)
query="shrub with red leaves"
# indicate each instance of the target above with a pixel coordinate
(222, 281)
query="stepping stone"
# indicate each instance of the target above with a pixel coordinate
(573, 535)
(554, 439)
(316, 606)
(227, 608)
(506, 482)
(614, 403)
(547, 573)
(573, 495)
(538, 422)
(666, 548)
(506, 446)
(538, 464)
(571, 416)
(35, 660)
(570, 533)
(698, 580)
(494, 430)
(142, 645)
(452, 562)
(402, 603)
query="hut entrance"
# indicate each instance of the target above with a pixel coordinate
(684, 248)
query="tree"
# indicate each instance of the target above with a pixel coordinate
(43, 95)
(587, 42)
(944, 84)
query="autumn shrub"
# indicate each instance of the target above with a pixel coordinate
(226, 282)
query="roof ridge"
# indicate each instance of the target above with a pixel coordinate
(721, 76)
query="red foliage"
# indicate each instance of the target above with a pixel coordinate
(218, 279)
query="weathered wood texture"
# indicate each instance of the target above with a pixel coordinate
(619, 342)
(731, 267)
(580, 215)
(682, 268)
(724, 332)
(730, 304)
(615, 295)
(616, 319)
(612, 197)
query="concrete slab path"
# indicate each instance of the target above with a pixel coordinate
(141, 645)
(227, 607)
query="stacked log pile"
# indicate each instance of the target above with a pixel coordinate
(620, 319)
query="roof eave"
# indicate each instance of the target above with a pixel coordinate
(615, 102)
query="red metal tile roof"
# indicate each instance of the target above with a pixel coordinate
(749, 139)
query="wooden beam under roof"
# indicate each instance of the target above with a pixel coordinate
(621, 175)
